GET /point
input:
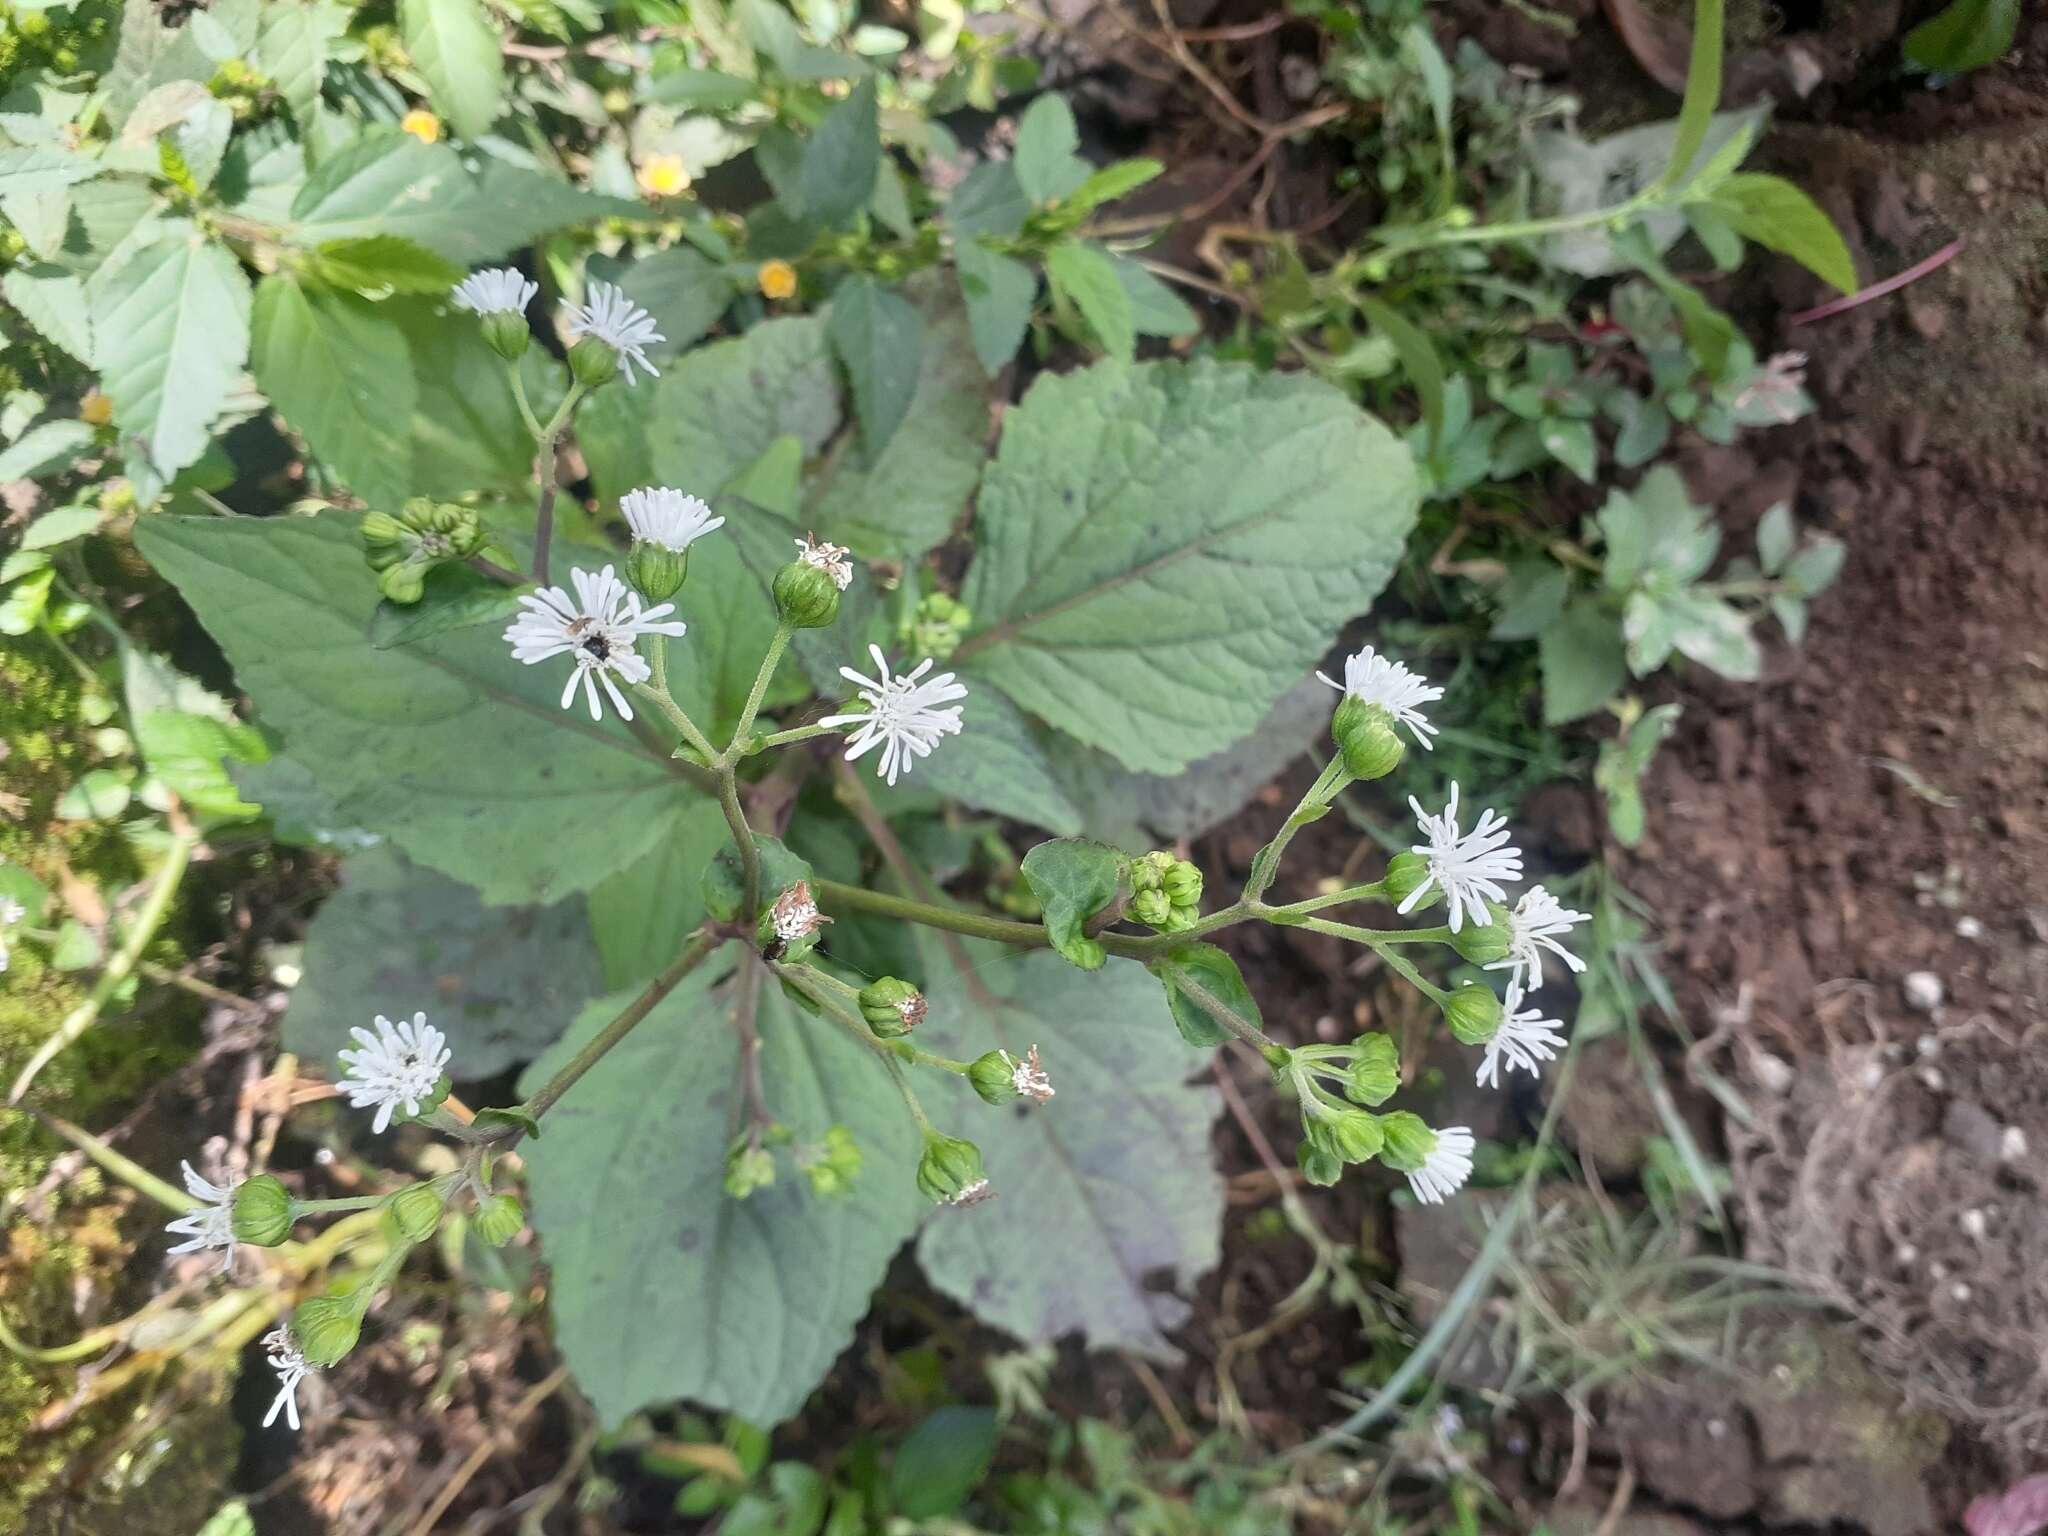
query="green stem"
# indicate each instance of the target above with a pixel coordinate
(544, 471)
(656, 692)
(1382, 944)
(976, 925)
(1376, 891)
(776, 646)
(1520, 229)
(129, 1172)
(1266, 863)
(743, 839)
(533, 426)
(793, 735)
(346, 1203)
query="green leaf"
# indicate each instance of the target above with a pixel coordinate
(172, 335)
(724, 405)
(1706, 629)
(740, 1305)
(1085, 275)
(1790, 612)
(1156, 310)
(1077, 881)
(843, 158)
(291, 48)
(878, 336)
(1656, 532)
(40, 168)
(1531, 600)
(1117, 1167)
(643, 914)
(231, 1519)
(374, 262)
(1435, 71)
(450, 748)
(1969, 34)
(990, 200)
(1419, 360)
(1109, 184)
(101, 794)
(456, 49)
(1000, 292)
(1047, 167)
(1774, 538)
(1208, 969)
(44, 450)
(999, 766)
(467, 435)
(454, 597)
(1582, 661)
(503, 982)
(1702, 90)
(1571, 443)
(53, 301)
(1776, 214)
(1166, 549)
(338, 370)
(942, 1462)
(1814, 569)
(684, 290)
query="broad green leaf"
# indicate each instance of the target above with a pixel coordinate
(1419, 360)
(1000, 292)
(740, 1305)
(44, 450)
(723, 405)
(843, 158)
(1702, 89)
(997, 765)
(452, 749)
(300, 811)
(1967, 35)
(1774, 213)
(338, 370)
(454, 597)
(1156, 310)
(731, 617)
(189, 737)
(1572, 444)
(456, 49)
(1086, 277)
(878, 336)
(40, 168)
(374, 262)
(1077, 882)
(685, 291)
(291, 48)
(643, 914)
(1166, 549)
(502, 982)
(942, 1462)
(1205, 968)
(467, 435)
(1582, 660)
(989, 201)
(42, 219)
(53, 301)
(1047, 167)
(172, 335)
(698, 90)
(1117, 1168)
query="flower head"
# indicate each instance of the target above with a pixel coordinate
(1466, 867)
(213, 1224)
(598, 628)
(1446, 1168)
(667, 517)
(1524, 1039)
(620, 324)
(829, 558)
(777, 280)
(11, 912)
(496, 291)
(292, 1367)
(795, 914)
(422, 125)
(400, 1064)
(663, 176)
(1028, 1077)
(903, 716)
(1533, 927)
(973, 1194)
(1373, 679)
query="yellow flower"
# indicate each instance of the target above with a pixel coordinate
(422, 125)
(663, 176)
(778, 280)
(95, 409)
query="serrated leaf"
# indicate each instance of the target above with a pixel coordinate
(989, 201)
(188, 754)
(643, 914)
(878, 336)
(502, 982)
(373, 262)
(1109, 184)
(47, 449)
(1047, 167)
(1088, 280)
(999, 766)
(685, 291)
(42, 219)
(1204, 968)
(454, 46)
(40, 168)
(843, 158)
(1656, 532)
(53, 301)
(740, 1305)
(1582, 660)
(1000, 292)
(1077, 881)
(1778, 215)
(1166, 549)
(291, 48)
(450, 748)
(1156, 310)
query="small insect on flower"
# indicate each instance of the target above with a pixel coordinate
(796, 915)
(662, 515)
(400, 1064)
(1466, 867)
(620, 324)
(1029, 1077)
(663, 176)
(829, 558)
(213, 1224)
(1446, 1168)
(598, 629)
(1534, 926)
(903, 715)
(496, 291)
(292, 1367)
(1374, 680)
(1525, 1039)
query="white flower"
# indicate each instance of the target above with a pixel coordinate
(1524, 1039)
(213, 1224)
(1448, 1166)
(400, 1064)
(598, 628)
(292, 1367)
(495, 291)
(11, 912)
(829, 558)
(903, 715)
(667, 517)
(620, 324)
(1533, 927)
(1466, 867)
(1028, 1077)
(1372, 679)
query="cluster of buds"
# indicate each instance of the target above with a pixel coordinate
(1340, 1128)
(937, 625)
(831, 1163)
(402, 549)
(1166, 892)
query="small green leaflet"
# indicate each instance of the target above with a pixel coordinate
(1774, 213)
(456, 48)
(1047, 167)
(1085, 277)
(1203, 969)
(1000, 291)
(878, 337)
(1077, 882)
(374, 263)
(1967, 35)
(842, 159)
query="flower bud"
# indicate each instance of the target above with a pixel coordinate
(805, 596)
(593, 363)
(1319, 1165)
(748, 1168)
(950, 1173)
(327, 1328)
(1404, 876)
(1148, 873)
(1474, 1014)
(938, 625)
(833, 1165)
(499, 1219)
(1183, 882)
(403, 583)
(1352, 1134)
(1408, 1141)
(506, 334)
(1153, 908)
(1364, 734)
(994, 1077)
(1483, 944)
(1375, 1071)
(263, 1212)
(657, 573)
(416, 1210)
(892, 1007)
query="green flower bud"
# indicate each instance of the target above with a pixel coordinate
(263, 1212)
(1484, 945)
(994, 1077)
(593, 363)
(499, 1219)
(1375, 1072)
(1319, 1165)
(1405, 874)
(1365, 736)
(381, 528)
(806, 596)
(508, 335)
(403, 583)
(1409, 1141)
(327, 1328)
(1352, 1134)
(833, 1165)
(657, 573)
(1458, 216)
(748, 1168)
(1474, 1014)
(1148, 873)
(1153, 908)
(1183, 882)
(938, 625)
(892, 1007)
(416, 1210)
(950, 1173)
